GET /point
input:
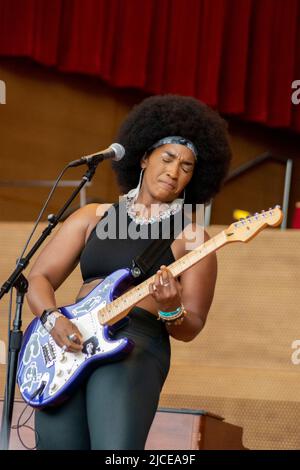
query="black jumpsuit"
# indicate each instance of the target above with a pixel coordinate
(114, 408)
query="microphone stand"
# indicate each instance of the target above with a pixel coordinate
(18, 280)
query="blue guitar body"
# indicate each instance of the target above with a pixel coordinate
(47, 375)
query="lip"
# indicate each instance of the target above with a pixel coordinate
(168, 185)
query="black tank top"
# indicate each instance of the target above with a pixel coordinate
(101, 256)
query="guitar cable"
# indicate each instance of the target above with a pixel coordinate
(19, 425)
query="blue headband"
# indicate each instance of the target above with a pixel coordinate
(175, 139)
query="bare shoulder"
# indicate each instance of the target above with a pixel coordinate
(85, 218)
(82, 216)
(58, 258)
(91, 214)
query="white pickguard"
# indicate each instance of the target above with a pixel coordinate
(67, 363)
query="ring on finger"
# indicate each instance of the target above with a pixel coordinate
(72, 337)
(165, 284)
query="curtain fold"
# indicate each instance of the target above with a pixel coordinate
(239, 56)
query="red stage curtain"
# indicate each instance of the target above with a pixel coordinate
(240, 56)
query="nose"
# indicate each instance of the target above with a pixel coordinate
(173, 170)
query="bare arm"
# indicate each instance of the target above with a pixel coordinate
(57, 260)
(195, 291)
(55, 263)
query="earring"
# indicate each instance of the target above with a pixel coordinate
(133, 193)
(140, 179)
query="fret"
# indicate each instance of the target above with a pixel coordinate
(236, 232)
(132, 297)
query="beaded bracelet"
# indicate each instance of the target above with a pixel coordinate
(175, 317)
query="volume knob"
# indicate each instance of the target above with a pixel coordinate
(53, 386)
(63, 358)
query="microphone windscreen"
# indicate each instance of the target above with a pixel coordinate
(119, 151)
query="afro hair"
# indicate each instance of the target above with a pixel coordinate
(166, 115)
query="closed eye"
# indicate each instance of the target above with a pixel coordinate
(169, 157)
(187, 168)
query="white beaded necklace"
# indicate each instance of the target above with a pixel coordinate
(165, 210)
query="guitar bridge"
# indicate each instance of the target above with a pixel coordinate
(49, 353)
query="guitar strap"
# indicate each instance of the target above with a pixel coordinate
(143, 263)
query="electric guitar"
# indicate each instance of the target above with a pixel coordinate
(47, 375)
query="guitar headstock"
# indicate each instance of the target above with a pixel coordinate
(247, 228)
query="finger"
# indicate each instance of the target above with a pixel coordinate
(157, 282)
(165, 279)
(153, 290)
(161, 279)
(78, 338)
(75, 348)
(167, 271)
(174, 283)
(72, 332)
(73, 344)
(74, 338)
(72, 347)
(64, 342)
(165, 268)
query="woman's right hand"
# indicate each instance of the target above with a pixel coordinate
(61, 333)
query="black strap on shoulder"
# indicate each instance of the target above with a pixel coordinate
(142, 264)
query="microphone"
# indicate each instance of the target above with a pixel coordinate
(114, 152)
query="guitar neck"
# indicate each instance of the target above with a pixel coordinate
(118, 309)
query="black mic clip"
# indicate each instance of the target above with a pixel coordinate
(90, 161)
(114, 152)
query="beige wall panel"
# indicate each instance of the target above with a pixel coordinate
(48, 120)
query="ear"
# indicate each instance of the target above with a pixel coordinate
(144, 161)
